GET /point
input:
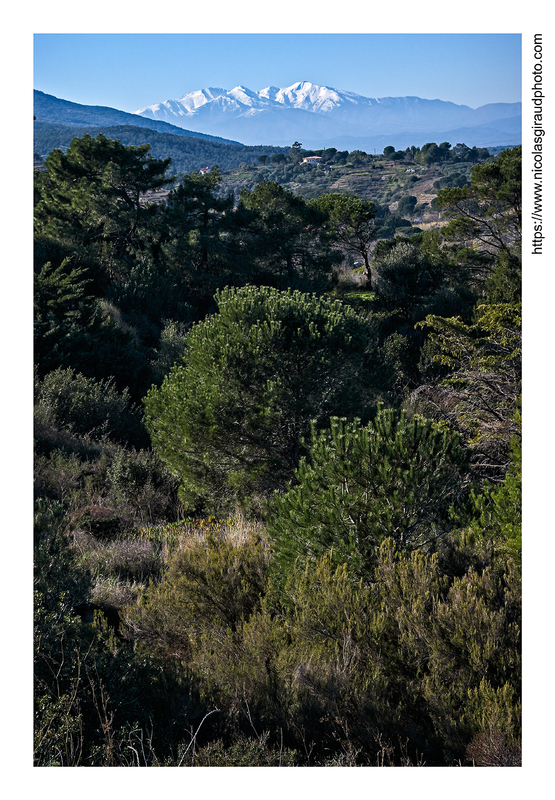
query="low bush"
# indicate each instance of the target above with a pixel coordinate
(87, 407)
(392, 673)
(68, 478)
(212, 581)
(242, 752)
(140, 482)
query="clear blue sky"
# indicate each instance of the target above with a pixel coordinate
(130, 71)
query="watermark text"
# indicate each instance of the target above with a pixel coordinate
(538, 104)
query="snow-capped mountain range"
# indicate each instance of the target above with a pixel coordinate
(320, 116)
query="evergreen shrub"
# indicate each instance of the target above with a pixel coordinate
(87, 407)
(230, 420)
(397, 477)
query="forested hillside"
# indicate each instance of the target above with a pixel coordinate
(188, 153)
(50, 110)
(277, 462)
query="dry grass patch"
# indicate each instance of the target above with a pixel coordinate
(113, 592)
(129, 559)
(188, 534)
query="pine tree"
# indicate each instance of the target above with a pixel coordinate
(230, 420)
(481, 392)
(92, 197)
(396, 477)
(488, 213)
(286, 237)
(350, 224)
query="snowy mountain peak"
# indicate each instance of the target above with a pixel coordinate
(193, 100)
(310, 97)
(269, 93)
(312, 114)
(303, 94)
(245, 96)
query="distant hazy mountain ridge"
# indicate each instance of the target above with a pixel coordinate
(58, 121)
(322, 116)
(317, 116)
(54, 110)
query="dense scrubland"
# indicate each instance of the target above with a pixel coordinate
(277, 462)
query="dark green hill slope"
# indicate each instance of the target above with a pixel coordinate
(54, 110)
(188, 153)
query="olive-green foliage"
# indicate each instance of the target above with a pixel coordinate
(70, 472)
(76, 471)
(481, 389)
(396, 477)
(86, 407)
(393, 225)
(97, 703)
(452, 179)
(406, 205)
(461, 636)
(497, 511)
(413, 667)
(58, 586)
(230, 420)
(124, 560)
(210, 585)
(57, 580)
(170, 348)
(242, 751)
(138, 480)
(218, 584)
(83, 430)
